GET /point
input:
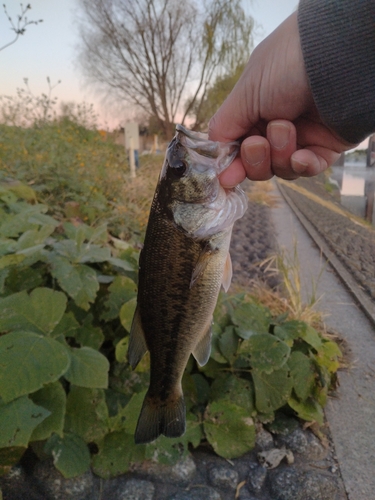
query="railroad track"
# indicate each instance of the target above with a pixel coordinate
(363, 299)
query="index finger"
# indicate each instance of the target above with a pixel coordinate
(235, 117)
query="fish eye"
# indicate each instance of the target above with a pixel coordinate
(179, 167)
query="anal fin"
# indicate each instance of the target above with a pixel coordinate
(137, 343)
(202, 350)
(228, 273)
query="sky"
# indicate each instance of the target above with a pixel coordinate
(49, 48)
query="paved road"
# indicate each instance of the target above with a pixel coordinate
(351, 415)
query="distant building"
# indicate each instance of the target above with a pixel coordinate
(371, 151)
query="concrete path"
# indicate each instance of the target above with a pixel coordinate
(351, 415)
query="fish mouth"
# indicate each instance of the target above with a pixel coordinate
(222, 152)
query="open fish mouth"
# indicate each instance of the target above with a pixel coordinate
(197, 143)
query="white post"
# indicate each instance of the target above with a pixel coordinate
(131, 158)
(156, 145)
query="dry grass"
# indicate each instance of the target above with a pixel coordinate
(261, 193)
(288, 297)
(136, 194)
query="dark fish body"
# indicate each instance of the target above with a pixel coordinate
(183, 263)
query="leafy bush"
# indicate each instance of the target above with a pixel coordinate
(80, 174)
(67, 295)
(60, 290)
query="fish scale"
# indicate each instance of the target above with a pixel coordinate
(183, 263)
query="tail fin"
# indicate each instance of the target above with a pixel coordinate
(157, 417)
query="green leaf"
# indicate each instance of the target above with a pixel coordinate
(88, 368)
(21, 190)
(39, 312)
(121, 263)
(121, 351)
(283, 424)
(211, 369)
(33, 239)
(53, 398)
(312, 337)
(200, 390)
(94, 253)
(77, 280)
(28, 361)
(84, 232)
(132, 410)
(117, 452)
(272, 390)
(70, 454)
(18, 419)
(328, 356)
(228, 343)
(3, 276)
(67, 326)
(301, 370)
(23, 278)
(168, 451)
(229, 429)
(87, 413)
(90, 336)
(120, 291)
(265, 351)
(215, 349)
(290, 331)
(116, 401)
(7, 245)
(234, 389)
(14, 224)
(10, 260)
(308, 410)
(251, 319)
(127, 313)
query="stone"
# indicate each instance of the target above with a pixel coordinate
(15, 485)
(293, 484)
(136, 489)
(256, 478)
(264, 440)
(55, 486)
(305, 443)
(182, 472)
(223, 476)
(201, 493)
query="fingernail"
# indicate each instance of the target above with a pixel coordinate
(255, 154)
(298, 166)
(278, 134)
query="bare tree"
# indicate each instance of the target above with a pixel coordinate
(156, 53)
(19, 27)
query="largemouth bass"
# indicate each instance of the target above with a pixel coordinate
(183, 263)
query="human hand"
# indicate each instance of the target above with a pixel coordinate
(272, 109)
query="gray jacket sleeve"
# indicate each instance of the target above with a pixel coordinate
(338, 45)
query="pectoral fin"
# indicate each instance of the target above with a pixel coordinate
(201, 264)
(228, 272)
(202, 350)
(137, 343)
